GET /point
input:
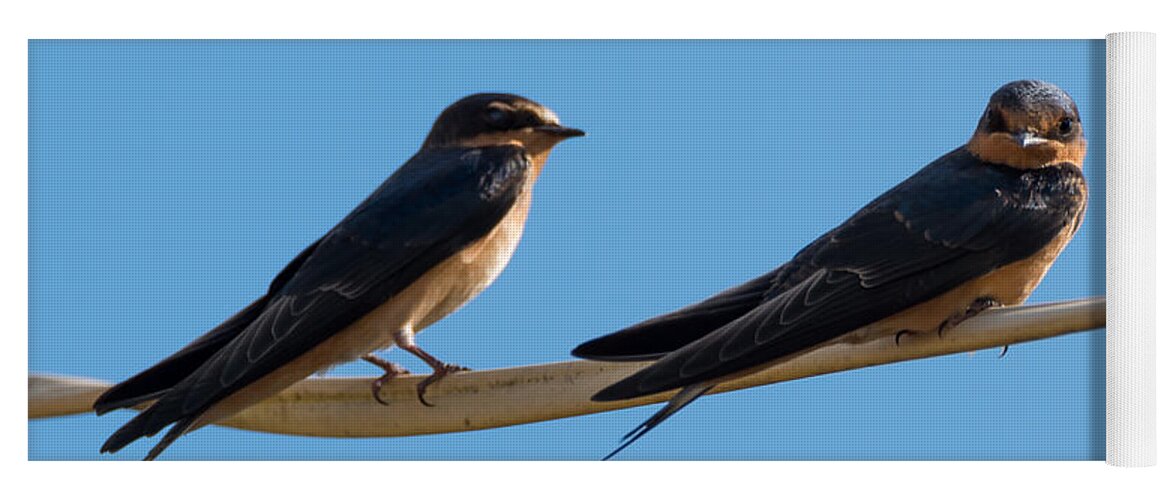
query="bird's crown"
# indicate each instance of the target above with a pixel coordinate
(1029, 124)
(479, 115)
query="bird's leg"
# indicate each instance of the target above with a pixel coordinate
(406, 341)
(392, 370)
(978, 306)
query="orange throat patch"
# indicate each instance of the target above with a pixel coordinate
(1001, 149)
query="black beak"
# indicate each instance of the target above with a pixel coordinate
(560, 131)
(1026, 139)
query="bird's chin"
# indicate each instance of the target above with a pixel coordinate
(1001, 149)
(1040, 155)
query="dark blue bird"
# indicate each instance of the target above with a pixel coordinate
(976, 228)
(427, 241)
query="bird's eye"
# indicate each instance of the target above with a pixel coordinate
(498, 118)
(1065, 126)
(995, 121)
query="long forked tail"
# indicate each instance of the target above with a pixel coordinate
(681, 400)
(177, 430)
(142, 425)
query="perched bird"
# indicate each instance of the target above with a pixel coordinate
(976, 228)
(428, 240)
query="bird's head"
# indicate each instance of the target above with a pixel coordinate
(482, 120)
(1029, 124)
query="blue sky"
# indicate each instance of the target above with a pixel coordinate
(169, 181)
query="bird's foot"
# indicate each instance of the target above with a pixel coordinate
(978, 306)
(1003, 352)
(392, 370)
(901, 333)
(441, 371)
(405, 340)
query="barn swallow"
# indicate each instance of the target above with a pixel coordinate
(976, 228)
(428, 240)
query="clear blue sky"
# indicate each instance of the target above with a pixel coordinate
(169, 181)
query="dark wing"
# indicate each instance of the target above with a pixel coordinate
(955, 220)
(432, 207)
(152, 382)
(658, 336)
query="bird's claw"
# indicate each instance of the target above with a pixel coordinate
(439, 373)
(1003, 352)
(900, 334)
(392, 370)
(376, 388)
(977, 306)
